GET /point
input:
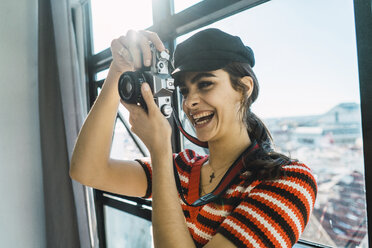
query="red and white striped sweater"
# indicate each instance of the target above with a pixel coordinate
(271, 213)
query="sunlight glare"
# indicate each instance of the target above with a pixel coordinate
(113, 18)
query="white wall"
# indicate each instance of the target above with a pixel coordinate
(21, 190)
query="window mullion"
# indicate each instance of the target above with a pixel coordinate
(363, 24)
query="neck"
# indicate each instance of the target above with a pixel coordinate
(224, 151)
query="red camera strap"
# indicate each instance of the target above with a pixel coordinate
(233, 172)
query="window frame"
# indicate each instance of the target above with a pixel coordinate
(169, 27)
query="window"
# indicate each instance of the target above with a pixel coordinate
(306, 65)
(112, 18)
(304, 82)
(126, 230)
(123, 146)
(180, 5)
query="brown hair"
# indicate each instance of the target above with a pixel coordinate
(266, 163)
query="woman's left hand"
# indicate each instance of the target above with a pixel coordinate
(151, 127)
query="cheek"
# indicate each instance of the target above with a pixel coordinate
(233, 108)
(236, 111)
(184, 106)
(229, 110)
(185, 109)
(238, 102)
(239, 112)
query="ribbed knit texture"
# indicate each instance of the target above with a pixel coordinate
(270, 213)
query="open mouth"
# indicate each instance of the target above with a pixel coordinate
(202, 118)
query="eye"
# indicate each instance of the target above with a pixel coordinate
(204, 84)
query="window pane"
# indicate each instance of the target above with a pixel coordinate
(125, 113)
(112, 18)
(125, 230)
(123, 146)
(180, 5)
(101, 75)
(309, 98)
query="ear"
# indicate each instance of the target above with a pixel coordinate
(248, 81)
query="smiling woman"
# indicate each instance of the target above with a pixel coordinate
(241, 194)
(202, 94)
(309, 98)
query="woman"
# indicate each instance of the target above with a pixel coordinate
(268, 202)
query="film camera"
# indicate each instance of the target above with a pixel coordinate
(157, 76)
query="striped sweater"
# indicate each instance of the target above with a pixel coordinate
(271, 213)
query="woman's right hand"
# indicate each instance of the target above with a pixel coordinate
(132, 51)
(91, 163)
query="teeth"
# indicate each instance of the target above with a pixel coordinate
(202, 122)
(200, 119)
(197, 116)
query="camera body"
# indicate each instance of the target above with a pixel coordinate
(157, 76)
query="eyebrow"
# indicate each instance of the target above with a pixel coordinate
(201, 75)
(198, 77)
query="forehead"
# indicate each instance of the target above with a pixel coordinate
(185, 78)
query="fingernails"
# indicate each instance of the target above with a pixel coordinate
(146, 87)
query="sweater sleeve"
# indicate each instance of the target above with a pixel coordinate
(146, 165)
(273, 213)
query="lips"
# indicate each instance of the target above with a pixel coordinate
(201, 118)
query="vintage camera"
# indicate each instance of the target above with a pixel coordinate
(157, 76)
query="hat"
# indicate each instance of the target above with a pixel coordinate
(209, 50)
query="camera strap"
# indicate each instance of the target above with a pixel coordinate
(194, 184)
(186, 134)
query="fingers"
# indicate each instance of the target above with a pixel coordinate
(136, 115)
(148, 97)
(124, 41)
(149, 100)
(154, 38)
(123, 51)
(146, 51)
(122, 60)
(139, 44)
(134, 47)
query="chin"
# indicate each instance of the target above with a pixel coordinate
(204, 138)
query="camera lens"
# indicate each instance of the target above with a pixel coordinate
(130, 87)
(127, 87)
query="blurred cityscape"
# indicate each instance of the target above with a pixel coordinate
(330, 144)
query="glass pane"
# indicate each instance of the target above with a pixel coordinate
(125, 113)
(180, 5)
(101, 75)
(113, 18)
(309, 98)
(123, 146)
(125, 230)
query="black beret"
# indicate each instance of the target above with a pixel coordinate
(210, 49)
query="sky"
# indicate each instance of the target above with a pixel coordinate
(306, 61)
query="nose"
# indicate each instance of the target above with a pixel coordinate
(192, 100)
